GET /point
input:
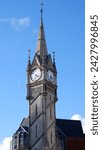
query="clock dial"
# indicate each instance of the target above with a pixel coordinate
(36, 74)
(50, 75)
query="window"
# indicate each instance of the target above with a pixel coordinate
(15, 140)
(21, 139)
(36, 131)
(15, 146)
(51, 137)
(50, 112)
(36, 110)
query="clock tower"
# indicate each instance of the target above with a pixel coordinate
(42, 96)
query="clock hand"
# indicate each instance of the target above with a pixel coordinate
(36, 75)
(51, 77)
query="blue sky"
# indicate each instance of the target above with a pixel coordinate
(64, 30)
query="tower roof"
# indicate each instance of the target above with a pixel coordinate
(41, 48)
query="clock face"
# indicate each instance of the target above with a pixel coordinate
(50, 75)
(36, 74)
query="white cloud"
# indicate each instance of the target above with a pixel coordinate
(21, 23)
(5, 145)
(78, 117)
(15, 23)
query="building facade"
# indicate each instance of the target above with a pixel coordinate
(41, 130)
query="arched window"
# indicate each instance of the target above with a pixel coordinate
(51, 137)
(50, 112)
(36, 110)
(36, 134)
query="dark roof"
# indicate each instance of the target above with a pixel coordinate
(70, 128)
(25, 122)
(23, 126)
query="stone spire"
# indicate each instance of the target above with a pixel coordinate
(29, 64)
(41, 43)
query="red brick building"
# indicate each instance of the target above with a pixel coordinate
(73, 143)
(70, 135)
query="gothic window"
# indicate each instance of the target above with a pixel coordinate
(36, 110)
(15, 140)
(36, 134)
(21, 139)
(50, 112)
(15, 147)
(51, 137)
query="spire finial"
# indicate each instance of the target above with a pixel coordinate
(29, 64)
(29, 54)
(41, 44)
(53, 57)
(41, 10)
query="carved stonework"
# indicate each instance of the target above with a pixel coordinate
(42, 94)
